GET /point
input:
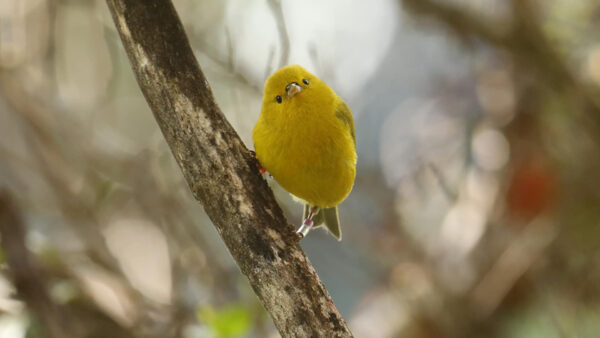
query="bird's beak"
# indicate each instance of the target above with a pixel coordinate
(293, 89)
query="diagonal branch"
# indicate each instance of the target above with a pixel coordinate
(221, 173)
(464, 24)
(525, 40)
(522, 36)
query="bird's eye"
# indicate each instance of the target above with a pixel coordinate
(278, 99)
(305, 81)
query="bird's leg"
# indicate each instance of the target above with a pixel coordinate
(308, 222)
(261, 169)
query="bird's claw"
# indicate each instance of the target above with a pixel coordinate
(261, 169)
(308, 223)
(305, 228)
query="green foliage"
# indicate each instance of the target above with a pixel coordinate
(552, 321)
(231, 321)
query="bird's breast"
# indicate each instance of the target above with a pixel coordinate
(311, 156)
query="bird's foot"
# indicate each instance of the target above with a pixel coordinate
(308, 223)
(261, 169)
(305, 228)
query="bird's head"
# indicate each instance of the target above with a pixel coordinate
(292, 88)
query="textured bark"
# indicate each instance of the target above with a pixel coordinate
(221, 173)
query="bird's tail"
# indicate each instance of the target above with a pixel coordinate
(328, 217)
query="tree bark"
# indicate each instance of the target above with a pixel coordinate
(221, 173)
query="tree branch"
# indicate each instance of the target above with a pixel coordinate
(284, 38)
(524, 39)
(221, 173)
(26, 274)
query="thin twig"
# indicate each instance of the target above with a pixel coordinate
(523, 38)
(284, 38)
(269, 65)
(229, 66)
(514, 262)
(27, 275)
(451, 194)
(230, 50)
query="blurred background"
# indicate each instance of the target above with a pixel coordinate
(476, 207)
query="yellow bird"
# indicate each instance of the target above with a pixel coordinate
(305, 139)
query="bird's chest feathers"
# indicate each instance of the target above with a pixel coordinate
(307, 139)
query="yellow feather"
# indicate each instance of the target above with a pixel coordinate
(307, 141)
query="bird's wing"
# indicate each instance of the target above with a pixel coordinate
(344, 113)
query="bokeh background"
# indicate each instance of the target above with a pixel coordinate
(476, 208)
